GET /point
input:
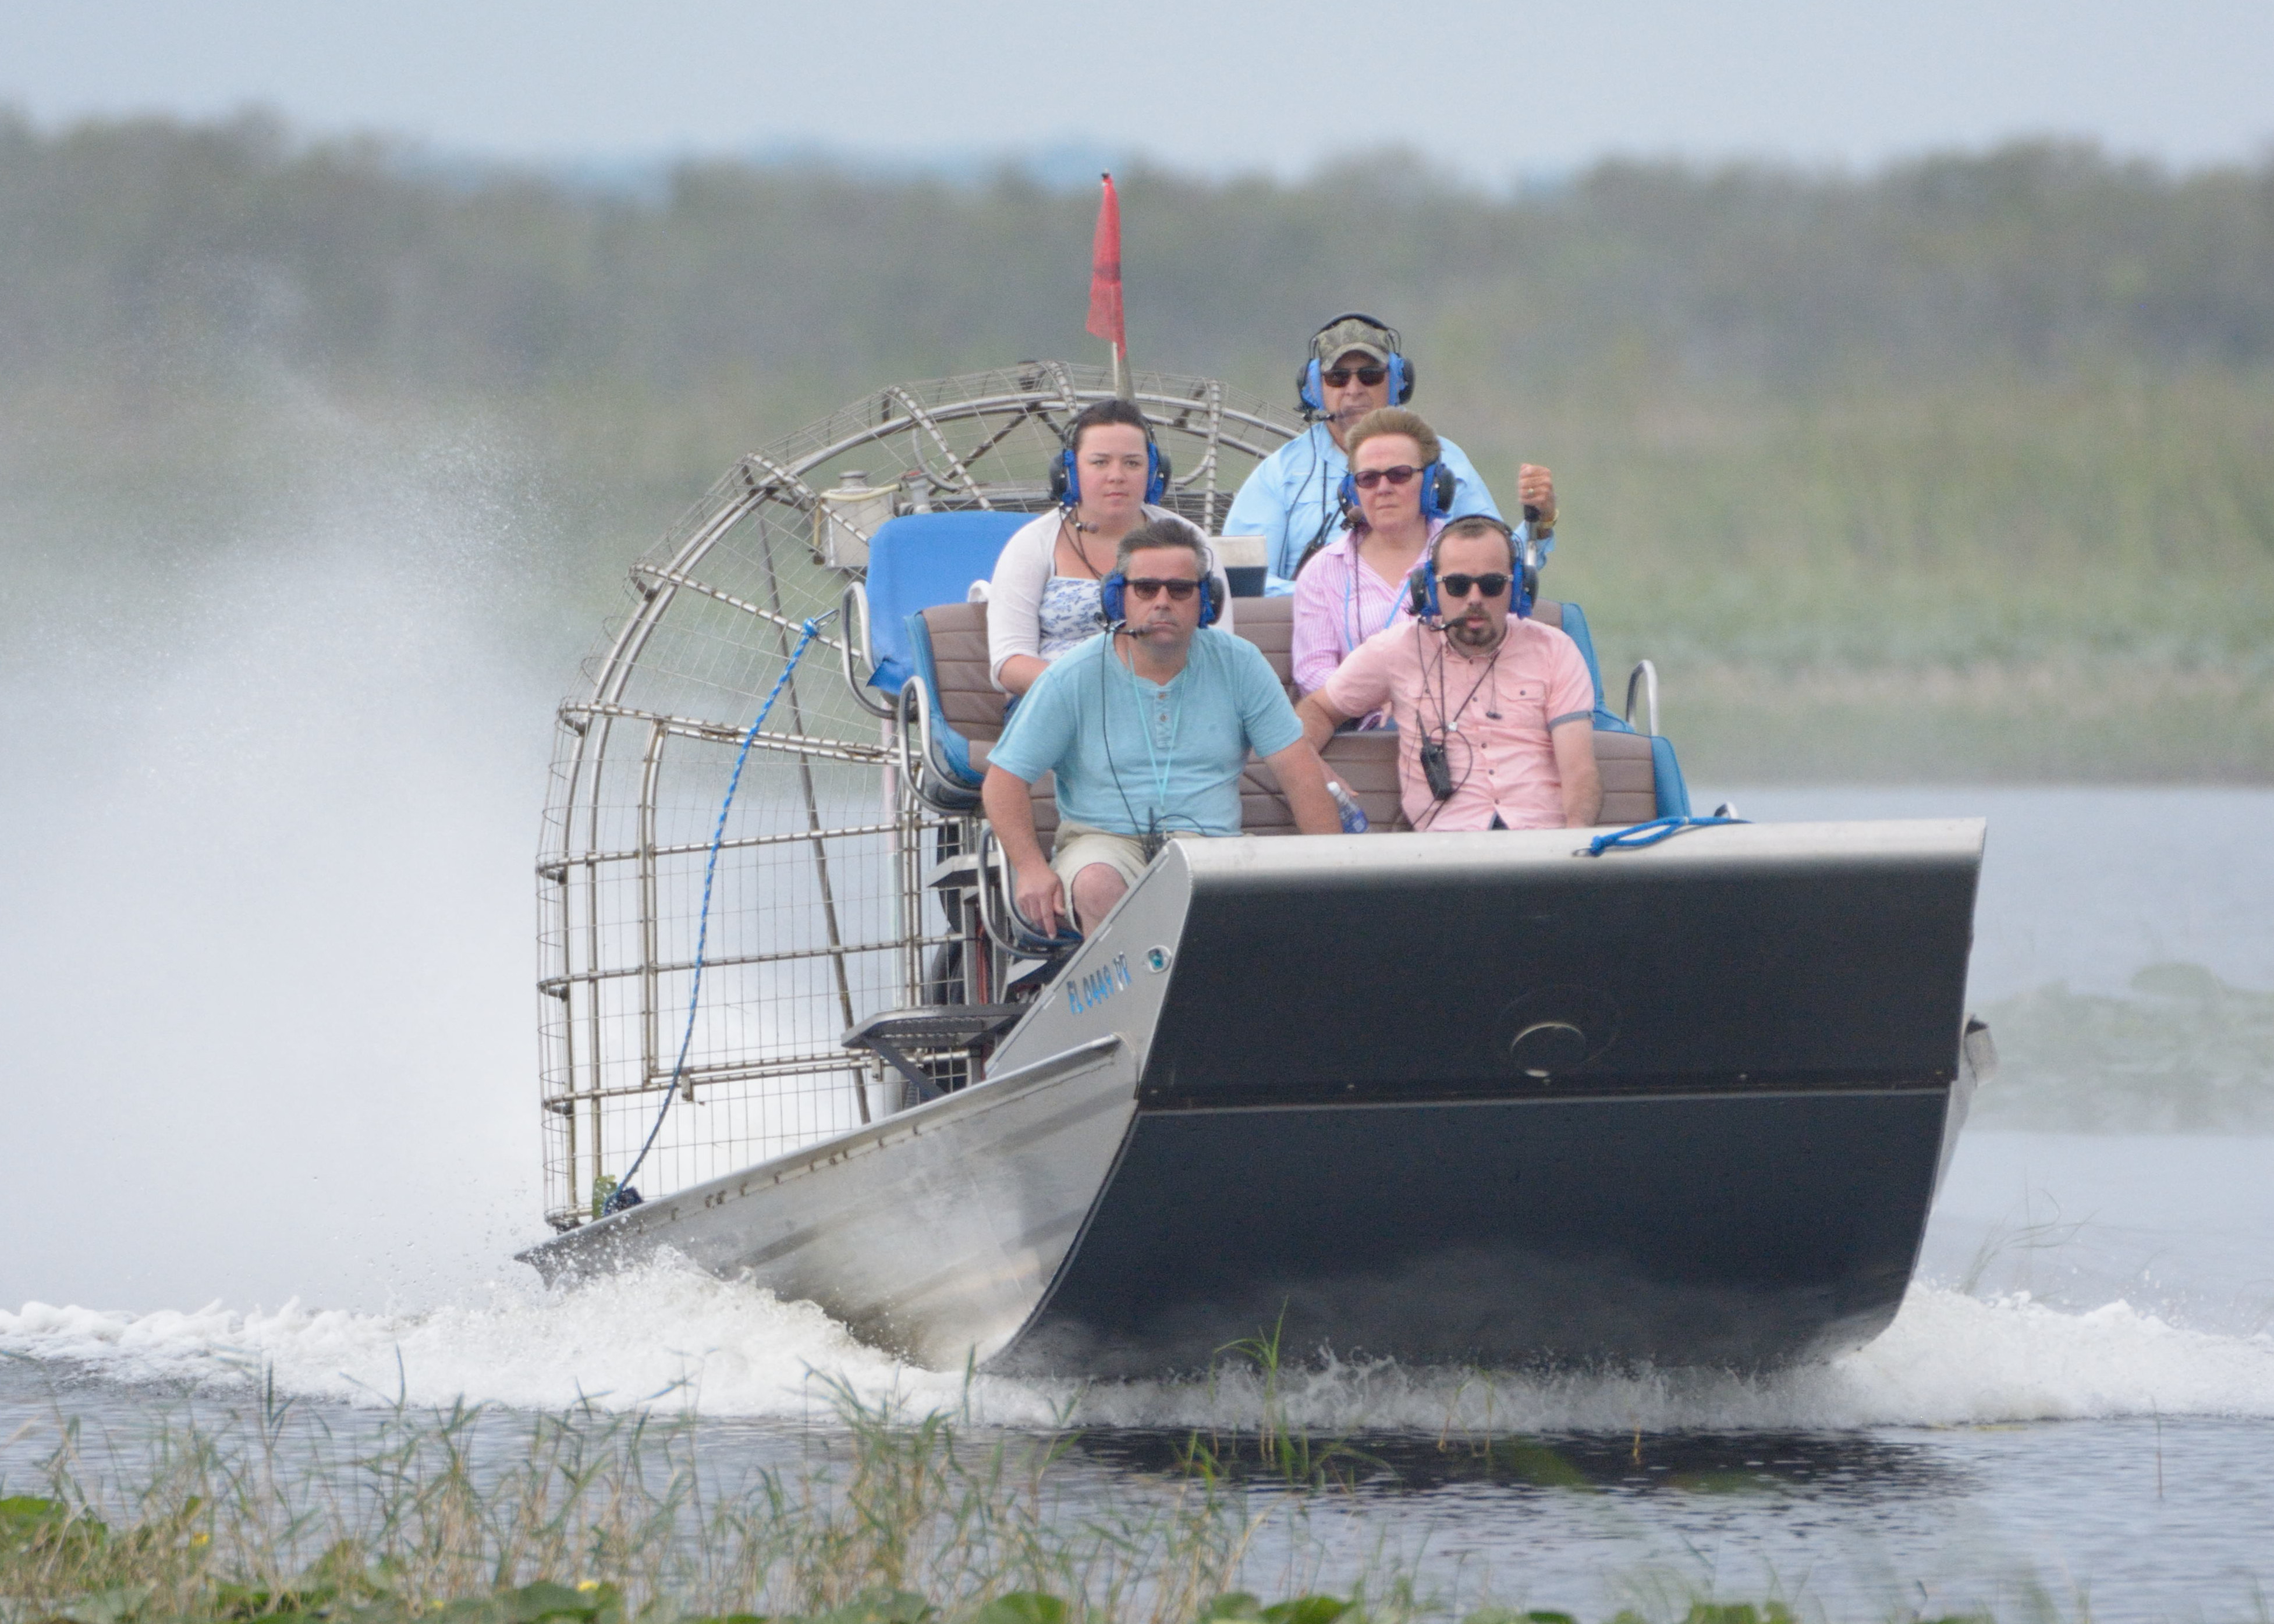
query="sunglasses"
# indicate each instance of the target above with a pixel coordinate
(1339, 379)
(1374, 477)
(1461, 586)
(1145, 590)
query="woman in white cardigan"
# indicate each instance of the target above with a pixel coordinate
(1042, 600)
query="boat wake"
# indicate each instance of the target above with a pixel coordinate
(671, 1337)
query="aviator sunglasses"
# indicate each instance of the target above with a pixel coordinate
(1461, 586)
(1145, 590)
(1339, 379)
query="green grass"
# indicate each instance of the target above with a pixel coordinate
(483, 1516)
(1994, 577)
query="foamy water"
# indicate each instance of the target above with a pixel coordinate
(674, 1338)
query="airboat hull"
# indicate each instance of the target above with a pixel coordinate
(1472, 1098)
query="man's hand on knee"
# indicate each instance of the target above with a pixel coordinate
(1041, 899)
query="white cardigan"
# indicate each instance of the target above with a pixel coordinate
(1023, 570)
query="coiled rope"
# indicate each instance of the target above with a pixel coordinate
(623, 1195)
(1634, 836)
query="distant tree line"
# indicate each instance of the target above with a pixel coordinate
(140, 248)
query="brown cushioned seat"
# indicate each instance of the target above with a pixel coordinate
(1365, 763)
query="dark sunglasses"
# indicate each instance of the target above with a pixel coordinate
(1374, 477)
(1145, 590)
(1461, 586)
(1339, 379)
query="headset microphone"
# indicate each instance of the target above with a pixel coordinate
(1066, 477)
(1523, 563)
(1310, 381)
(1113, 598)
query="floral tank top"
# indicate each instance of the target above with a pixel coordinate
(1071, 615)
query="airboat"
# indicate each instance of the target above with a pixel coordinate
(1496, 1099)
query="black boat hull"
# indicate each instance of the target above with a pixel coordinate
(1474, 1099)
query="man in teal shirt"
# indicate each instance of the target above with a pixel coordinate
(1146, 727)
(1293, 498)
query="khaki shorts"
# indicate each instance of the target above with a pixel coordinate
(1078, 846)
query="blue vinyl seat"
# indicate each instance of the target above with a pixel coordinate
(1673, 793)
(919, 561)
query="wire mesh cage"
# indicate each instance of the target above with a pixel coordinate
(818, 917)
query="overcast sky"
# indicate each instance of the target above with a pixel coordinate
(1488, 88)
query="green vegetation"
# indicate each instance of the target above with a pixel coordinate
(480, 1516)
(1957, 469)
(2188, 1055)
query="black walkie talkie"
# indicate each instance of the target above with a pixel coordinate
(1436, 768)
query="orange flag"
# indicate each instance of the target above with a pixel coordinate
(1105, 318)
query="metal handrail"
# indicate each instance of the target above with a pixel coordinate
(1020, 939)
(856, 593)
(1645, 674)
(983, 874)
(916, 697)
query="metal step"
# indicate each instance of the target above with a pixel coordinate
(899, 1037)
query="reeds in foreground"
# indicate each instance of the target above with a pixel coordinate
(481, 1515)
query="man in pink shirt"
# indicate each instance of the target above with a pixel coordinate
(1493, 711)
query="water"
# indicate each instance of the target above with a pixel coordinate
(2078, 1401)
(323, 1112)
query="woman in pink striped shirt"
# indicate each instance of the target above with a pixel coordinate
(1358, 583)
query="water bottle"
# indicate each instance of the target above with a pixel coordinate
(1353, 815)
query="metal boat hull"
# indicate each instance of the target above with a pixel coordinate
(1467, 1098)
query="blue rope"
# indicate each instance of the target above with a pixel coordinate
(1636, 835)
(623, 1195)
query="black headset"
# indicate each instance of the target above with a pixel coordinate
(1066, 479)
(1525, 576)
(1310, 383)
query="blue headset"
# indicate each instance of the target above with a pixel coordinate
(1437, 487)
(1311, 384)
(1066, 479)
(1113, 598)
(1526, 578)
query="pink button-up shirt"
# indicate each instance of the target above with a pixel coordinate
(1340, 603)
(1495, 713)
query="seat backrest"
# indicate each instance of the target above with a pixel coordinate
(1639, 781)
(1269, 624)
(1629, 768)
(920, 560)
(962, 691)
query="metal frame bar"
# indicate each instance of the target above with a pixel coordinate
(673, 578)
(787, 955)
(584, 912)
(1645, 674)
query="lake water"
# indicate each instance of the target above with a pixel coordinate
(2077, 1404)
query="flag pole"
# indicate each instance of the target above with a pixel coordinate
(1107, 317)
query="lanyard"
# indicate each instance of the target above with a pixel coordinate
(1162, 768)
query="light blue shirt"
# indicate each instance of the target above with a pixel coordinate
(1296, 494)
(1130, 754)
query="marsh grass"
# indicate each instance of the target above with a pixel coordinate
(1994, 578)
(591, 1514)
(480, 1515)
(2184, 1053)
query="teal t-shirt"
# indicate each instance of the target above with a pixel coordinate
(1126, 751)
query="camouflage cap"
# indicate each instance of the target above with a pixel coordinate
(1351, 333)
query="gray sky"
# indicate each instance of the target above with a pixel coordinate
(1487, 88)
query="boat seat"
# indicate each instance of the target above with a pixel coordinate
(1641, 777)
(948, 645)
